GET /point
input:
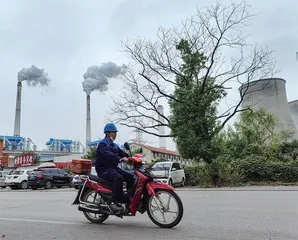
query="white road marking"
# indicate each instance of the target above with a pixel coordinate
(49, 222)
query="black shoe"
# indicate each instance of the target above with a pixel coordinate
(116, 207)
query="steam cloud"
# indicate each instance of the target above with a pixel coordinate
(34, 76)
(96, 77)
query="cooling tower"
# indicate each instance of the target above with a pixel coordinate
(161, 129)
(88, 122)
(294, 110)
(270, 93)
(17, 120)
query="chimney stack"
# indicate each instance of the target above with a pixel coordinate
(88, 123)
(270, 93)
(17, 121)
(161, 129)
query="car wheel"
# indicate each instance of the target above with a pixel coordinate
(24, 185)
(3, 187)
(183, 182)
(48, 185)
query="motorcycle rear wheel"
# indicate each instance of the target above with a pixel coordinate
(92, 217)
(161, 208)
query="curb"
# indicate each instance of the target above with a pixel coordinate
(246, 188)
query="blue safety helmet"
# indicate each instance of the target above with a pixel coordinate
(110, 127)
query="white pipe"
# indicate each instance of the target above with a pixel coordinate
(161, 129)
(88, 121)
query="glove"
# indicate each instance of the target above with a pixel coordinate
(124, 159)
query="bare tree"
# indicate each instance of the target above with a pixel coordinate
(216, 31)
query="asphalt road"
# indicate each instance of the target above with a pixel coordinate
(240, 213)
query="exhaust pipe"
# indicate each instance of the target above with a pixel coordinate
(93, 210)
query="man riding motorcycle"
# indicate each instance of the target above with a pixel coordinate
(108, 156)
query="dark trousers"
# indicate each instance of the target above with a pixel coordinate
(116, 177)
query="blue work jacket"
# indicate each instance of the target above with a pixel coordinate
(108, 155)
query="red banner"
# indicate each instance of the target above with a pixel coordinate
(24, 160)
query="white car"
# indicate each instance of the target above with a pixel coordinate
(3, 175)
(17, 179)
(171, 173)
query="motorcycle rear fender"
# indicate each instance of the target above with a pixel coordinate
(152, 186)
(77, 200)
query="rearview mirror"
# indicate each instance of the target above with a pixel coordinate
(174, 169)
(126, 145)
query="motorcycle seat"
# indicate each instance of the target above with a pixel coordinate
(96, 179)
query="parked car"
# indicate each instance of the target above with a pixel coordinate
(76, 181)
(171, 173)
(3, 175)
(17, 179)
(48, 178)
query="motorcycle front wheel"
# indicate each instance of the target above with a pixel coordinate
(165, 202)
(91, 196)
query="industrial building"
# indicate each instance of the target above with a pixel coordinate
(18, 143)
(64, 145)
(270, 93)
(93, 143)
(294, 110)
(151, 153)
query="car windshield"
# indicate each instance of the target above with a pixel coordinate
(160, 166)
(16, 172)
(34, 172)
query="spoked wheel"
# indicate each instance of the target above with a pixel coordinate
(165, 209)
(91, 196)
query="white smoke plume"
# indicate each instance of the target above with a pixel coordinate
(96, 77)
(34, 76)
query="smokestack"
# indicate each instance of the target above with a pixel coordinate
(270, 94)
(88, 122)
(17, 120)
(161, 129)
(96, 78)
(33, 76)
(294, 110)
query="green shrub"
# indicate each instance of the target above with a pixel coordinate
(219, 173)
(224, 174)
(259, 168)
(67, 169)
(198, 175)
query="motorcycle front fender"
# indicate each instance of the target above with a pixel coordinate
(152, 186)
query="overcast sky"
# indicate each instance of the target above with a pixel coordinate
(66, 37)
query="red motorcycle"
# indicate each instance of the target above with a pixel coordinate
(146, 195)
